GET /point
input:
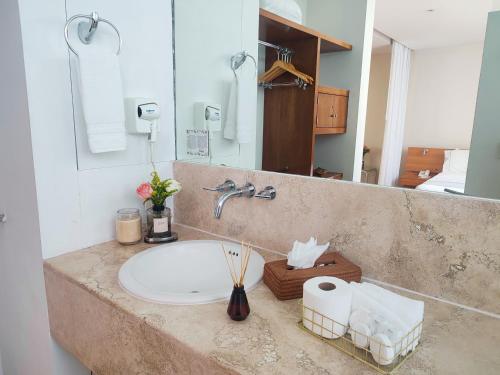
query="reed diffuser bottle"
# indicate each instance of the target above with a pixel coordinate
(238, 308)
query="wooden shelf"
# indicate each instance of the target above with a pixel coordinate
(325, 131)
(333, 90)
(276, 29)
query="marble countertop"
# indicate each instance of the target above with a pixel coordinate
(112, 332)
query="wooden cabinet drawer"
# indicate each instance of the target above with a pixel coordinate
(339, 111)
(324, 117)
(331, 113)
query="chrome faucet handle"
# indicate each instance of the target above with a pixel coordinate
(228, 185)
(248, 190)
(269, 193)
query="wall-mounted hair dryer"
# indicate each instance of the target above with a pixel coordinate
(142, 116)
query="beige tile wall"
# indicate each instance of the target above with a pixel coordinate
(441, 245)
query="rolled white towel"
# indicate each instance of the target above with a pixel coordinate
(410, 311)
(398, 339)
(382, 350)
(361, 328)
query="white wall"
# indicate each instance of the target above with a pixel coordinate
(352, 21)
(442, 96)
(205, 41)
(377, 106)
(146, 65)
(24, 333)
(77, 206)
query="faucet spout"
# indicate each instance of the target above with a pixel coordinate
(222, 201)
(248, 191)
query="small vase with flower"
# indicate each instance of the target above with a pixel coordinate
(158, 215)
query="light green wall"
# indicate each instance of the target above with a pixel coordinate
(483, 173)
(352, 21)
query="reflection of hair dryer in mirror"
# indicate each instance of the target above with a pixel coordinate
(150, 112)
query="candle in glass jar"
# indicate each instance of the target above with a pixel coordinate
(128, 226)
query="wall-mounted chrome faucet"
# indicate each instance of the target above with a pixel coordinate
(229, 190)
(245, 191)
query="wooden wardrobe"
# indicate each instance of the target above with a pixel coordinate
(294, 117)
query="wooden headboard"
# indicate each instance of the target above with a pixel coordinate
(420, 159)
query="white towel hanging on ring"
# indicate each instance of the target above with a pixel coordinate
(240, 118)
(101, 95)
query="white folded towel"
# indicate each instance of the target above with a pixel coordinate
(240, 116)
(385, 322)
(231, 119)
(102, 99)
(410, 311)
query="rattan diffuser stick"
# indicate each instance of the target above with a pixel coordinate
(246, 250)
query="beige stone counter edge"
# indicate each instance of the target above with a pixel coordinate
(186, 352)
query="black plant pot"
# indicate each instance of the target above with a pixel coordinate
(238, 308)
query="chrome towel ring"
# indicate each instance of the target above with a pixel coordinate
(239, 59)
(86, 30)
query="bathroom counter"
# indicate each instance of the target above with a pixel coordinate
(112, 332)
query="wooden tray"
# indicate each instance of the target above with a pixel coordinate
(287, 283)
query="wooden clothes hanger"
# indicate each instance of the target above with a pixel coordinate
(281, 67)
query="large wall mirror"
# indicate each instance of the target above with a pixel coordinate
(403, 94)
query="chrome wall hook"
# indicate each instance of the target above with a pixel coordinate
(239, 59)
(86, 29)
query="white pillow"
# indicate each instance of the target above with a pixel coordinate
(455, 161)
(285, 8)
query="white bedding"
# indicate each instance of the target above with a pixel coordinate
(451, 181)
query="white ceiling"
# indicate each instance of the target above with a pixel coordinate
(453, 22)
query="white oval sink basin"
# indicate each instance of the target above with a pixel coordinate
(186, 273)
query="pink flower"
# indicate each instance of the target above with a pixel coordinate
(145, 190)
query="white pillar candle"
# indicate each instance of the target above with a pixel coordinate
(128, 226)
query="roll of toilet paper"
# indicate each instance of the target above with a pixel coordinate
(327, 306)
